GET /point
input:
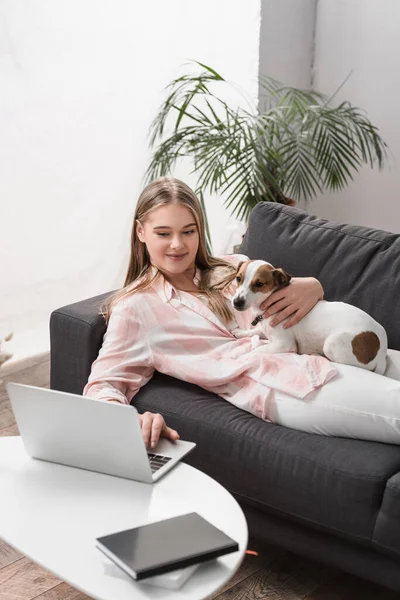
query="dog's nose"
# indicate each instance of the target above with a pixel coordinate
(238, 303)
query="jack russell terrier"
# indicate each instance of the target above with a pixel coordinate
(341, 332)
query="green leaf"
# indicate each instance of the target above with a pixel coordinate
(299, 145)
(210, 70)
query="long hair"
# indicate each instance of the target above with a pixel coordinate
(140, 276)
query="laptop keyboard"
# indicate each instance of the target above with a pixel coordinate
(157, 461)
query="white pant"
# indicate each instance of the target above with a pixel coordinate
(355, 404)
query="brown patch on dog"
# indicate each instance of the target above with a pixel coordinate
(365, 346)
(282, 278)
(264, 280)
(241, 270)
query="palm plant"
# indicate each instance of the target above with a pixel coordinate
(298, 145)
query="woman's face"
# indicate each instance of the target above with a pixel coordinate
(171, 237)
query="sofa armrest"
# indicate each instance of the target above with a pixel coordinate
(76, 336)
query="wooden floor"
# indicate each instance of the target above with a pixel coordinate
(272, 575)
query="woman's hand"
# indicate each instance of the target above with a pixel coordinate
(294, 301)
(153, 427)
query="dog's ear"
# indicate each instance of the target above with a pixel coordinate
(239, 265)
(220, 277)
(281, 278)
(224, 283)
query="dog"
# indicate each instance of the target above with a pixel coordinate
(339, 331)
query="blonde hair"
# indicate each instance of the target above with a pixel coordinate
(162, 192)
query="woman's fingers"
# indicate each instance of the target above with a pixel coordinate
(145, 424)
(284, 314)
(170, 433)
(294, 319)
(276, 307)
(293, 302)
(273, 299)
(156, 429)
(297, 316)
(153, 426)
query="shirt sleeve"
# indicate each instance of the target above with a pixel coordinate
(124, 363)
(234, 259)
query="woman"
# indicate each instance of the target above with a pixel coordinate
(169, 318)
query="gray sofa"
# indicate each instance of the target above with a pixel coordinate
(331, 499)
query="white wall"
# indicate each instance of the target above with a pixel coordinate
(287, 36)
(362, 37)
(81, 82)
(286, 40)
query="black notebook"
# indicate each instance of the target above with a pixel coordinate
(166, 545)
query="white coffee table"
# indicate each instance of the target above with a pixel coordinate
(52, 514)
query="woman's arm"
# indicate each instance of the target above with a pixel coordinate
(123, 366)
(124, 363)
(294, 301)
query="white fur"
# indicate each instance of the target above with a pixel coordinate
(328, 329)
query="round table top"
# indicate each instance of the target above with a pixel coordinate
(53, 514)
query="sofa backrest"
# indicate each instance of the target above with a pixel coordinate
(355, 264)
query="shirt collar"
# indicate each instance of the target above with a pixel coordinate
(164, 288)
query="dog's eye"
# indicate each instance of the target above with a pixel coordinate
(259, 284)
(238, 279)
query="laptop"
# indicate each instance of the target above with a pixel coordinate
(78, 431)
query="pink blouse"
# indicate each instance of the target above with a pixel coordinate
(175, 333)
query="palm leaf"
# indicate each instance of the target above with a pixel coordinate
(299, 145)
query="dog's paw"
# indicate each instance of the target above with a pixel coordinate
(243, 333)
(236, 332)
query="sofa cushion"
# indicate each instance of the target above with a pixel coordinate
(354, 264)
(330, 483)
